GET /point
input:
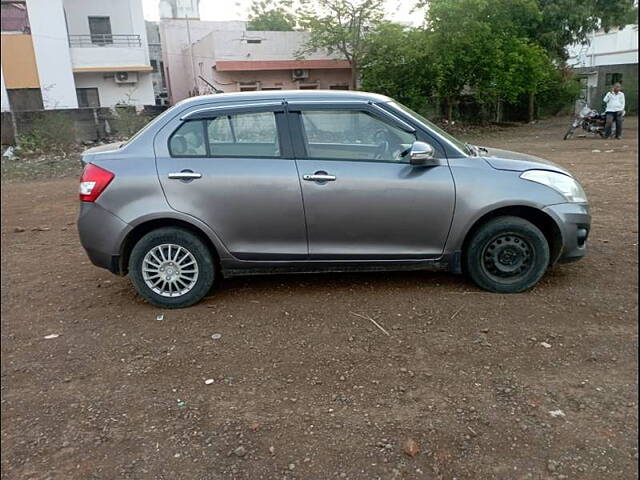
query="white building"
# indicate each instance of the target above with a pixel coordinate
(176, 35)
(74, 53)
(241, 60)
(609, 57)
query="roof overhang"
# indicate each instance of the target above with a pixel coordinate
(253, 65)
(122, 68)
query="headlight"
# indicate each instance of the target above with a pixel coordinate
(563, 184)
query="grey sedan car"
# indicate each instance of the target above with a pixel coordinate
(316, 181)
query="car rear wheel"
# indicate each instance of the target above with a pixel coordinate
(507, 255)
(171, 267)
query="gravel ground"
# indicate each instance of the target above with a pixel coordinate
(301, 384)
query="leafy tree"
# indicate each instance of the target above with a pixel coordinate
(397, 62)
(483, 45)
(271, 15)
(571, 21)
(563, 22)
(497, 51)
(340, 26)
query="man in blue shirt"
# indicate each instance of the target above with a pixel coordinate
(615, 110)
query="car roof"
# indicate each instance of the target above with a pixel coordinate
(337, 95)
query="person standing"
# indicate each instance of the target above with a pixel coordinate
(614, 111)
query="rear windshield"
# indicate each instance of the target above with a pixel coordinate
(147, 126)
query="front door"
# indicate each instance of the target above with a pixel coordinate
(235, 171)
(362, 198)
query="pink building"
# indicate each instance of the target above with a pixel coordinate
(230, 59)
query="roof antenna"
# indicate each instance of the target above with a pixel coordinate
(217, 90)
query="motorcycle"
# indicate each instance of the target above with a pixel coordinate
(590, 120)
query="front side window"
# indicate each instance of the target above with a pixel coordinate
(460, 145)
(244, 135)
(353, 135)
(188, 140)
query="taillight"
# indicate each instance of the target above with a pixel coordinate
(93, 182)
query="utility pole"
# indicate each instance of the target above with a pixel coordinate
(193, 67)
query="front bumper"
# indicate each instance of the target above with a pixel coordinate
(574, 221)
(101, 235)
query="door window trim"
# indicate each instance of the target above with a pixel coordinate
(211, 112)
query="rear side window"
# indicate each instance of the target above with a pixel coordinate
(188, 140)
(244, 135)
(241, 135)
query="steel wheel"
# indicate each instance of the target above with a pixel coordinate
(507, 257)
(170, 270)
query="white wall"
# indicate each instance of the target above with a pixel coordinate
(105, 56)
(111, 93)
(118, 11)
(126, 19)
(5, 98)
(174, 38)
(51, 47)
(232, 45)
(614, 48)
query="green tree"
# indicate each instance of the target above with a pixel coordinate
(269, 15)
(571, 21)
(482, 46)
(398, 62)
(340, 26)
(563, 22)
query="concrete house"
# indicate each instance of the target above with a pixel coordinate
(59, 54)
(208, 57)
(240, 60)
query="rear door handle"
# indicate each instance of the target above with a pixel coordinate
(319, 177)
(185, 175)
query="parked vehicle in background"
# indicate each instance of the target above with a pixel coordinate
(590, 120)
(311, 181)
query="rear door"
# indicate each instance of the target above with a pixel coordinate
(233, 168)
(362, 198)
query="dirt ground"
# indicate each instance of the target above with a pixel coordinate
(303, 388)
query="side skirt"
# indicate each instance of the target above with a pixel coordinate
(446, 263)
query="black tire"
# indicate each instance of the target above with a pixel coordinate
(569, 133)
(195, 246)
(506, 255)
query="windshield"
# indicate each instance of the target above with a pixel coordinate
(461, 145)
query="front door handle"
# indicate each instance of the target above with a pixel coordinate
(319, 177)
(185, 175)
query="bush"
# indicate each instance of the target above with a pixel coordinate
(49, 132)
(560, 95)
(127, 121)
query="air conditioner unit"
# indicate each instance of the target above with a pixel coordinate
(126, 77)
(299, 74)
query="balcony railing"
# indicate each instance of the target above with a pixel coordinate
(105, 40)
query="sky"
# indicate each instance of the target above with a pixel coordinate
(396, 10)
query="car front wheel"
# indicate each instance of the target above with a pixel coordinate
(507, 255)
(171, 267)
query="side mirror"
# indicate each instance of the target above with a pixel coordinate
(422, 153)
